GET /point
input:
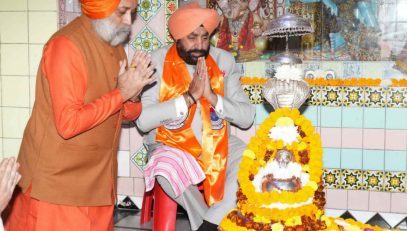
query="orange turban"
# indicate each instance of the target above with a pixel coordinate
(189, 17)
(98, 9)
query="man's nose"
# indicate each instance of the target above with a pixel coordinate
(126, 19)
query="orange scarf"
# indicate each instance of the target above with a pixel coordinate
(212, 154)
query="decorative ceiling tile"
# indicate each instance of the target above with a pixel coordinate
(139, 158)
(148, 9)
(146, 40)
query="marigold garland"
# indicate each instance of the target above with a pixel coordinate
(360, 82)
(261, 143)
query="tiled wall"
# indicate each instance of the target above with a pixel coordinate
(25, 25)
(364, 137)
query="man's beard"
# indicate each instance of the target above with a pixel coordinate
(187, 55)
(110, 32)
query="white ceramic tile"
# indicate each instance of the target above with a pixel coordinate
(137, 200)
(41, 26)
(51, 5)
(15, 91)
(14, 59)
(1, 126)
(11, 147)
(14, 121)
(13, 27)
(13, 5)
(32, 91)
(123, 161)
(35, 57)
(255, 69)
(372, 70)
(1, 148)
(362, 216)
(337, 67)
(393, 218)
(334, 212)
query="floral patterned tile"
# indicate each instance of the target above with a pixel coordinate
(395, 182)
(353, 96)
(139, 158)
(314, 97)
(146, 40)
(375, 97)
(351, 179)
(396, 97)
(331, 178)
(373, 180)
(148, 9)
(331, 96)
(170, 7)
(255, 93)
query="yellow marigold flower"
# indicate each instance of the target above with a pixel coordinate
(249, 154)
(326, 219)
(312, 184)
(305, 168)
(277, 227)
(293, 221)
(302, 146)
(284, 122)
(260, 219)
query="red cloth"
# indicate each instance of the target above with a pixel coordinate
(66, 75)
(29, 214)
(98, 9)
(189, 17)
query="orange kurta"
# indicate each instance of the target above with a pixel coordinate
(69, 149)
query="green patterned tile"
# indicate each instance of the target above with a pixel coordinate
(396, 97)
(148, 8)
(395, 182)
(332, 178)
(331, 96)
(373, 180)
(353, 96)
(351, 179)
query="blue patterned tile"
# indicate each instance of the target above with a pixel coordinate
(311, 113)
(352, 117)
(331, 117)
(395, 160)
(351, 158)
(262, 112)
(148, 8)
(373, 159)
(374, 117)
(396, 118)
(146, 40)
(331, 157)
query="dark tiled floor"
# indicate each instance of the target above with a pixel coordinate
(128, 220)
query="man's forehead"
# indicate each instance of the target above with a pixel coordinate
(200, 31)
(128, 3)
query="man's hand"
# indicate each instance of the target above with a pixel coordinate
(132, 81)
(208, 93)
(197, 86)
(9, 178)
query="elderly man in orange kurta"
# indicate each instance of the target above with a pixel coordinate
(84, 90)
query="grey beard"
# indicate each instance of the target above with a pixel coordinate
(109, 32)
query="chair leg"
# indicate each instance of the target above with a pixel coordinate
(146, 207)
(165, 210)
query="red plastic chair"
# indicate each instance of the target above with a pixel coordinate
(165, 209)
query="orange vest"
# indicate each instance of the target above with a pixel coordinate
(78, 171)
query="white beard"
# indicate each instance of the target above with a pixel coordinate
(110, 32)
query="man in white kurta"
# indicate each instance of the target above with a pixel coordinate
(197, 96)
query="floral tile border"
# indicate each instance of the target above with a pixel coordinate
(373, 180)
(331, 178)
(395, 182)
(351, 179)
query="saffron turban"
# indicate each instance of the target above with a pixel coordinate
(98, 9)
(191, 16)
